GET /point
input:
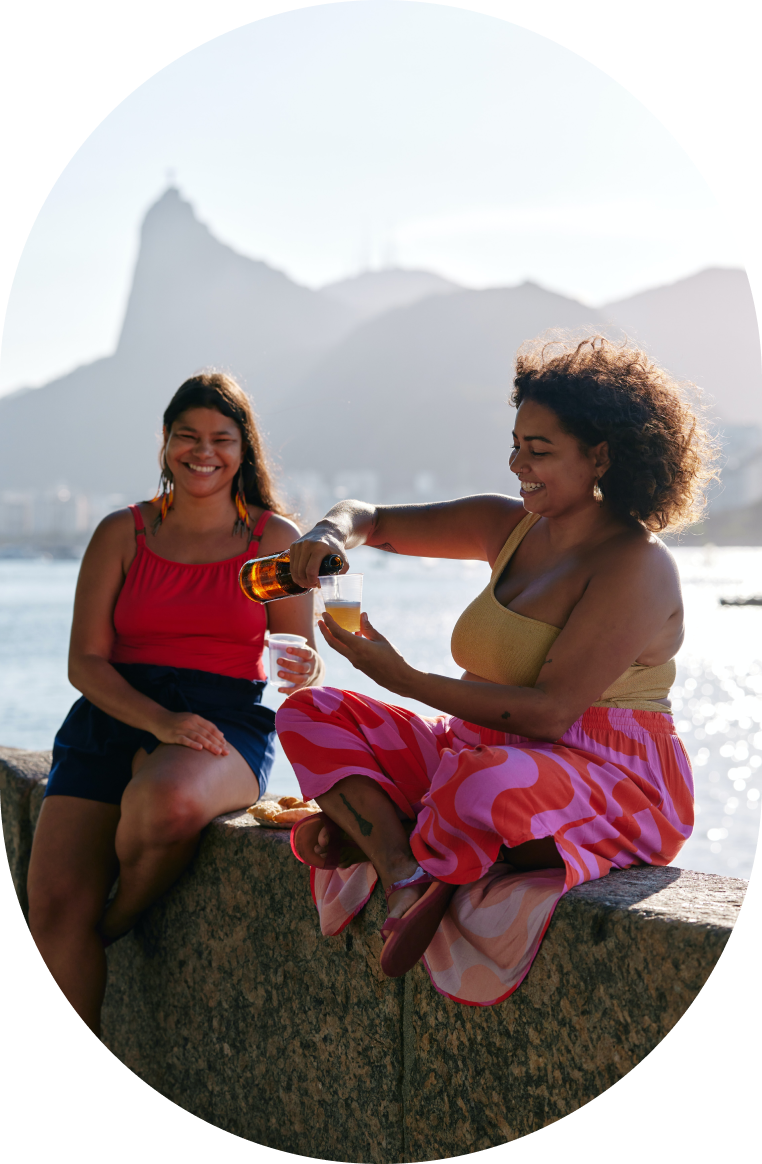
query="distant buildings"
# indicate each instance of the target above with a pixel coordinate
(54, 520)
(60, 521)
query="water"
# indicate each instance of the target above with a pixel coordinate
(414, 602)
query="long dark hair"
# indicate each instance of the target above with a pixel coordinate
(220, 392)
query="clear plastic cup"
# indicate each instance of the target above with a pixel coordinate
(342, 598)
(279, 644)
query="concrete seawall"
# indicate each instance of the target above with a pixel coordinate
(227, 1000)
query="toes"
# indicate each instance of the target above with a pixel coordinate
(405, 898)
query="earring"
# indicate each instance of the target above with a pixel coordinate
(242, 523)
(597, 492)
(165, 493)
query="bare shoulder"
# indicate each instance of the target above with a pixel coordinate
(496, 516)
(117, 529)
(112, 543)
(638, 554)
(278, 534)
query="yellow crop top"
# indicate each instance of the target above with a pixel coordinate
(506, 647)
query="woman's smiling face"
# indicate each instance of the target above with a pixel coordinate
(556, 474)
(204, 451)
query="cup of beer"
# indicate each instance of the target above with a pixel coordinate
(342, 597)
(279, 645)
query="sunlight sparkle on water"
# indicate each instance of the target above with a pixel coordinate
(717, 699)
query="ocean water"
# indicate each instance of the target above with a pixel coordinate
(717, 700)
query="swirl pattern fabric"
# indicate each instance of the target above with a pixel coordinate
(616, 790)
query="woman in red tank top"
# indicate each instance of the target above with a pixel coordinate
(167, 652)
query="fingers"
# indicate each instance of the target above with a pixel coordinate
(369, 631)
(302, 664)
(199, 745)
(201, 735)
(305, 557)
(189, 743)
(299, 654)
(336, 629)
(336, 637)
(306, 554)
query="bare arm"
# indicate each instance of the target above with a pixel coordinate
(101, 577)
(468, 528)
(625, 606)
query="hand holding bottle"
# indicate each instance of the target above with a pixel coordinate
(309, 552)
(267, 579)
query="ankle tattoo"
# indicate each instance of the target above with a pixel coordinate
(366, 828)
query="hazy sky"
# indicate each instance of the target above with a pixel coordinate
(332, 139)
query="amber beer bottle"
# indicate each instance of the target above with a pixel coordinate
(265, 579)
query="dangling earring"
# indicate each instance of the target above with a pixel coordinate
(242, 523)
(165, 493)
(597, 492)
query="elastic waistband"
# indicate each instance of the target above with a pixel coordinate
(601, 719)
(186, 676)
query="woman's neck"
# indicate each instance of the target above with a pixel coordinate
(203, 514)
(590, 525)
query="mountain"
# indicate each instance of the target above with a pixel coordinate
(375, 292)
(194, 303)
(422, 389)
(396, 374)
(704, 329)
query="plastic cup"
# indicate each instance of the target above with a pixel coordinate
(279, 645)
(342, 598)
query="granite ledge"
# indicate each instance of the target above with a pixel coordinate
(227, 1000)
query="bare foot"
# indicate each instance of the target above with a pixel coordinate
(349, 853)
(401, 901)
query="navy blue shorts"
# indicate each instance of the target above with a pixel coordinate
(93, 752)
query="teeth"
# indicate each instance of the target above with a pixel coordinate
(202, 468)
(530, 486)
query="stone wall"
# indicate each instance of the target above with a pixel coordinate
(228, 1001)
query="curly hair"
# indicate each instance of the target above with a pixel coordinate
(662, 456)
(221, 392)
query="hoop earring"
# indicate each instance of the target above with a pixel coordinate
(597, 492)
(242, 523)
(165, 494)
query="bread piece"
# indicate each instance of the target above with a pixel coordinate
(265, 810)
(282, 813)
(290, 816)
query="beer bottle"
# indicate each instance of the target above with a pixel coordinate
(265, 579)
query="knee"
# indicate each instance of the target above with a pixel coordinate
(299, 703)
(307, 704)
(60, 905)
(158, 817)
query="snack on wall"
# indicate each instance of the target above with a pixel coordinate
(283, 812)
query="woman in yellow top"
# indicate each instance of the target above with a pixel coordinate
(555, 750)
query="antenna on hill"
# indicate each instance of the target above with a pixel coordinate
(171, 176)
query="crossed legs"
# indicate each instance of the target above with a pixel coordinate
(363, 810)
(361, 807)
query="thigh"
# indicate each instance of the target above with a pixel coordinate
(213, 784)
(73, 862)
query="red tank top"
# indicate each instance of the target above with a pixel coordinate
(180, 615)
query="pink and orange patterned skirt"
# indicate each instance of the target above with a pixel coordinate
(615, 791)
